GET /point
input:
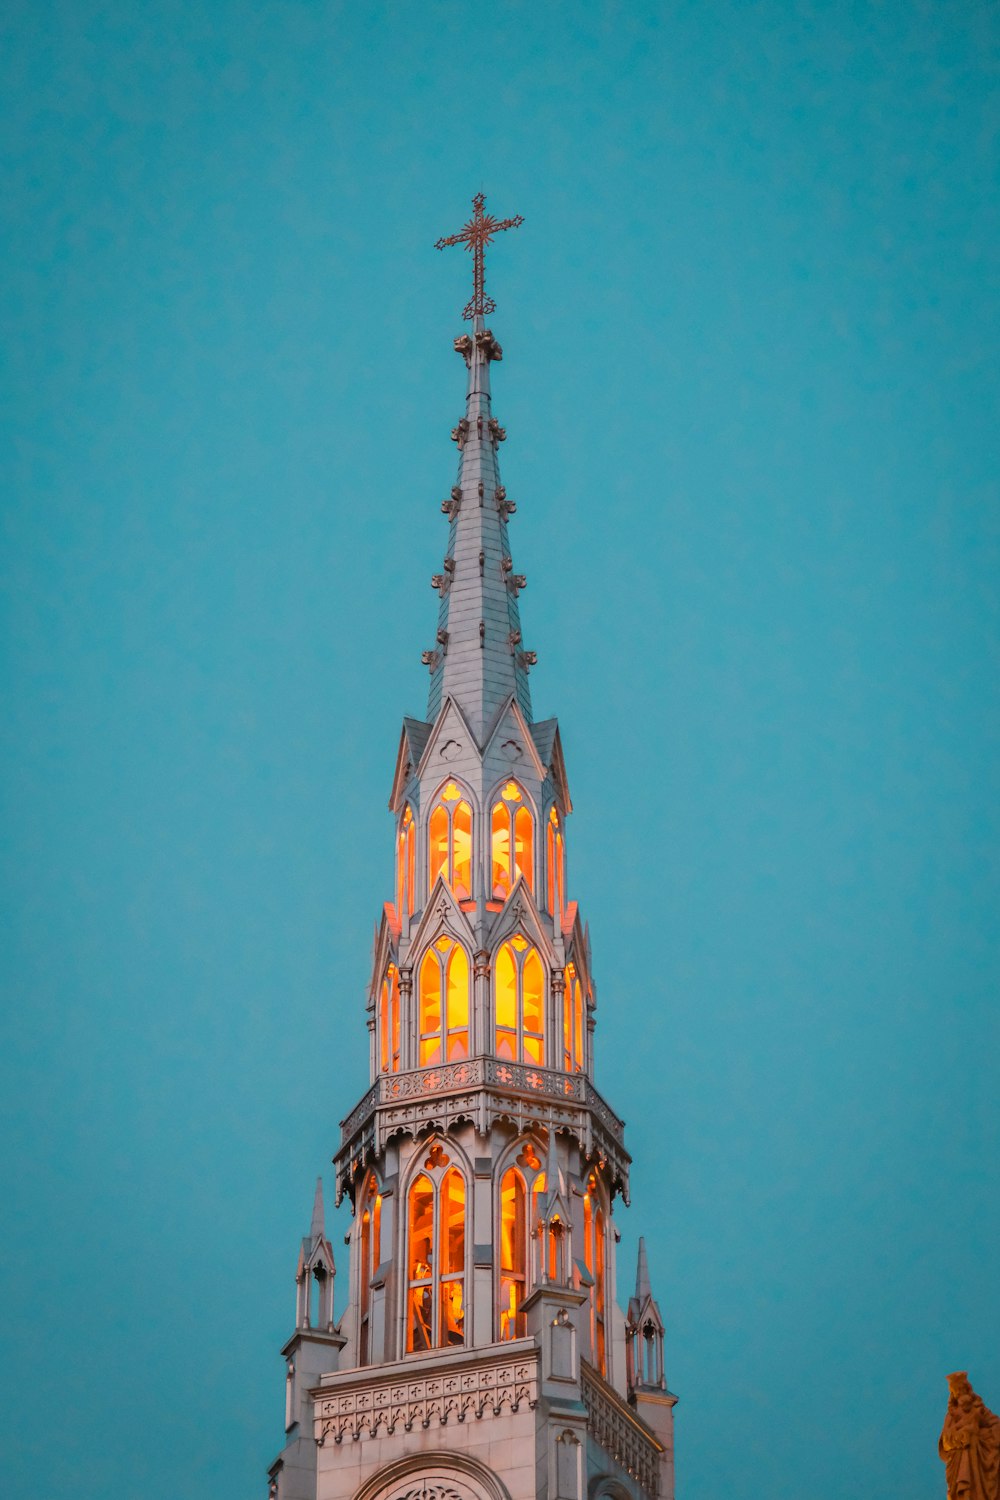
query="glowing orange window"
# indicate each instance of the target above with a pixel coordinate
(512, 842)
(406, 863)
(594, 1255)
(444, 1003)
(371, 1255)
(435, 1262)
(513, 1255)
(449, 838)
(573, 1012)
(555, 866)
(388, 1022)
(519, 1002)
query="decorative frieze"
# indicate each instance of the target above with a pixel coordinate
(483, 1090)
(370, 1407)
(615, 1428)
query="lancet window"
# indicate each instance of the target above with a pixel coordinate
(449, 839)
(370, 1255)
(406, 862)
(555, 864)
(435, 1257)
(512, 842)
(573, 1021)
(519, 1001)
(595, 1253)
(520, 1187)
(388, 1022)
(444, 1003)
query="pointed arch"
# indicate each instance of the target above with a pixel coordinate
(573, 1020)
(389, 1031)
(519, 1002)
(436, 1254)
(443, 1002)
(512, 841)
(520, 1182)
(369, 1258)
(595, 1255)
(406, 868)
(555, 865)
(449, 840)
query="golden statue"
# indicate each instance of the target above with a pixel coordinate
(970, 1444)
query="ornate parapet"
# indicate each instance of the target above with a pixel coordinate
(376, 1401)
(483, 1090)
(613, 1426)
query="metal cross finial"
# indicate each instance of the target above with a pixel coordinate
(476, 235)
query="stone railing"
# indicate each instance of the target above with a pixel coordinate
(483, 1090)
(478, 1072)
(615, 1428)
(366, 1405)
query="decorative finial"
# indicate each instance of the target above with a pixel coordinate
(316, 1229)
(476, 235)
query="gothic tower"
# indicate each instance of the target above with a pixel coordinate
(482, 1354)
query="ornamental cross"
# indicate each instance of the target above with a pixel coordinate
(476, 235)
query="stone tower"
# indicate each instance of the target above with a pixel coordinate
(482, 1354)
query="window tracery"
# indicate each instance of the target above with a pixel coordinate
(555, 864)
(444, 1003)
(435, 1258)
(573, 1020)
(388, 1022)
(519, 1002)
(370, 1256)
(512, 842)
(449, 841)
(406, 853)
(595, 1252)
(520, 1187)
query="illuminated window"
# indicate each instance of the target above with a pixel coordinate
(513, 1255)
(573, 1014)
(449, 838)
(519, 998)
(370, 1257)
(435, 1261)
(444, 1003)
(406, 852)
(555, 864)
(512, 830)
(594, 1252)
(388, 1022)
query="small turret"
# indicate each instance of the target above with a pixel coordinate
(644, 1332)
(315, 1273)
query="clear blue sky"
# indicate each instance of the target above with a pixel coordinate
(750, 385)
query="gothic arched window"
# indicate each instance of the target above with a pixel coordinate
(595, 1250)
(444, 1003)
(520, 1187)
(573, 1021)
(519, 996)
(512, 842)
(406, 851)
(449, 841)
(370, 1255)
(555, 864)
(435, 1260)
(388, 1022)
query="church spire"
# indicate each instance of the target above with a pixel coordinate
(478, 658)
(317, 1231)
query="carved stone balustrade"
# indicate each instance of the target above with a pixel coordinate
(614, 1426)
(482, 1090)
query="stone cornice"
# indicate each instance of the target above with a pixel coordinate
(483, 1090)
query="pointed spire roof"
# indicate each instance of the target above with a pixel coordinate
(317, 1231)
(479, 659)
(643, 1289)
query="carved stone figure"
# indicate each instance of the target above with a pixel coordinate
(970, 1444)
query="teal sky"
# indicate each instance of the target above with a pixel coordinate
(751, 390)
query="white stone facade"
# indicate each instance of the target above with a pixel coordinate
(482, 1354)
